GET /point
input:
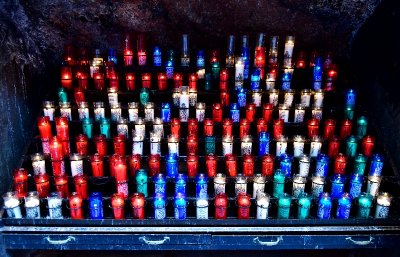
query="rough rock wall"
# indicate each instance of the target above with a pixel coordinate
(32, 35)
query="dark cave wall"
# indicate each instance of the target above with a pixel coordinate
(33, 33)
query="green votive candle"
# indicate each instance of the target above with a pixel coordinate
(105, 127)
(349, 112)
(351, 146)
(362, 124)
(87, 127)
(62, 95)
(304, 205)
(360, 162)
(279, 183)
(364, 205)
(209, 143)
(284, 202)
(144, 96)
(141, 181)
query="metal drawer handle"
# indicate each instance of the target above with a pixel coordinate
(154, 242)
(365, 242)
(257, 241)
(60, 242)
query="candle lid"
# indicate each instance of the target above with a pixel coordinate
(220, 178)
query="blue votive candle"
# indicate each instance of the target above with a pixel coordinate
(376, 165)
(96, 205)
(180, 183)
(337, 185)
(286, 164)
(160, 184)
(159, 206)
(180, 206)
(235, 112)
(322, 165)
(344, 206)
(165, 112)
(324, 206)
(263, 143)
(172, 165)
(241, 97)
(201, 186)
(356, 181)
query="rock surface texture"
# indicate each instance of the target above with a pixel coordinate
(33, 33)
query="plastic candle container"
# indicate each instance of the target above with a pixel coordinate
(96, 205)
(259, 182)
(160, 184)
(360, 162)
(364, 205)
(263, 146)
(281, 145)
(133, 111)
(118, 206)
(101, 144)
(285, 164)
(38, 163)
(329, 128)
(241, 97)
(172, 165)
(201, 208)
(351, 146)
(159, 206)
(317, 186)
(298, 145)
(81, 185)
(356, 182)
(12, 205)
(209, 145)
(278, 128)
(284, 203)
(373, 185)
(340, 164)
(333, 147)
(337, 189)
(141, 182)
(344, 206)
(230, 165)
(267, 165)
(42, 185)
(279, 183)
(263, 203)
(82, 144)
(304, 165)
(32, 205)
(180, 183)
(192, 162)
(138, 203)
(211, 165)
(20, 177)
(54, 204)
(304, 205)
(376, 165)
(76, 161)
(180, 204)
(61, 184)
(299, 184)
(75, 206)
(221, 206)
(219, 184)
(240, 184)
(324, 206)
(243, 202)
(316, 145)
(97, 165)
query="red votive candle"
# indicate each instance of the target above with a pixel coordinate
(62, 127)
(250, 112)
(193, 81)
(130, 81)
(243, 202)
(162, 81)
(334, 146)
(368, 143)
(313, 127)
(146, 80)
(114, 80)
(119, 144)
(21, 182)
(138, 202)
(340, 164)
(128, 57)
(268, 109)
(118, 206)
(178, 79)
(227, 127)
(248, 165)
(224, 98)
(208, 127)
(221, 206)
(345, 129)
(79, 95)
(82, 144)
(75, 206)
(44, 127)
(81, 186)
(58, 167)
(61, 183)
(56, 149)
(244, 128)
(192, 165)
(192, 144)
(66, 77)
(211, 165)
(301, 60)
(176, 127)
(154, 164)
(278, 128)
(230, 165)
(98, 79)
(120, 169)
(100, 142)
(134, 164)
(329, 129)
(262, 126)
(97, 164)
(193, 127)
(267, 165)
(82, 80)
(217, 112)
(42, 183)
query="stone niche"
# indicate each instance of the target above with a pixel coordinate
(33, 34)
